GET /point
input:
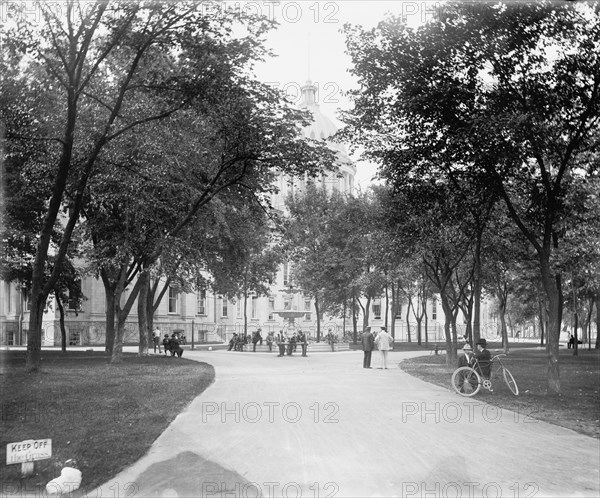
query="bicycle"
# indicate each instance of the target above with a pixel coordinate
(468, 380)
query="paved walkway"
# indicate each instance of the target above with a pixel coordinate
(324, 426)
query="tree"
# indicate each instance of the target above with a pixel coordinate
(510, 91)
(249, 254)
(117, 67)
(306, 239)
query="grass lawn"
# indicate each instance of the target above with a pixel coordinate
(103, 416)
(577, 408)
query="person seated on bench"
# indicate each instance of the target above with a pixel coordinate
(232, 341)
(464, 359)
(484, 358)
(166, 342)
(174, 346)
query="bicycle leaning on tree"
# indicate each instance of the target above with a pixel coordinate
(468, 380)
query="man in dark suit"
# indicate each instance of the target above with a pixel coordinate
(303, 342)
(280, 339)
(368, 345)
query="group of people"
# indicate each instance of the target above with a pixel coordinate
(289, 344)
(381, 340)
(237, 342)
(286, 343)
(170, 344)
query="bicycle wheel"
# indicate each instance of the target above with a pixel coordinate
(510, 381)
(466, 381)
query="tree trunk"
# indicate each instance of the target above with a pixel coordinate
(366, 313)
(588, 326)
(34, 334)
(246, 302)
(394, 305)
(450, 346)
(503, 328)
(117, 351)
(122, 314)
(576, 316)
(150, 310)
(597, 320)
(476, 331)
(551, 285)
(354, 317)
(408, 317)
(318, 317)
(387, 306)
(541, 319)
(109, 293)
(426, 320)
(63, 331)
(142, 306)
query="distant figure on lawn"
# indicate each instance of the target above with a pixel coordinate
(165, 342)
(156, 339)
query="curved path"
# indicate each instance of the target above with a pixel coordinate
(324, 426)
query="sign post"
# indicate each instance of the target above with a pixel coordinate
(28, 451)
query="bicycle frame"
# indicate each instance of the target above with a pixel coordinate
(468, 380)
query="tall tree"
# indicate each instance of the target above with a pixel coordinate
(512, 91)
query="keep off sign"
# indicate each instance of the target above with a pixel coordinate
(28, 451)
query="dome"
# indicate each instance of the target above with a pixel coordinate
(321, 127)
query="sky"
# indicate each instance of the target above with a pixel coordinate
(309, 44)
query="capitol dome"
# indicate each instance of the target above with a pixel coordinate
(322, 127)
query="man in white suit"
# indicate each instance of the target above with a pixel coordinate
(384, 344)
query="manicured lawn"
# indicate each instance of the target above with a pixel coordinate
(103, 416)
(577, 408)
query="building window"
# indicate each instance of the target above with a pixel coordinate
(254, 307)
(9, 297)
(74, 337)
(173, 299)
(271, 307)
(201, 302)
(27, 301)
(223, 306)
(434, 309)
(286, 275)
(377, 309)
(239, 308)
(74, 299)
(307, 316)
